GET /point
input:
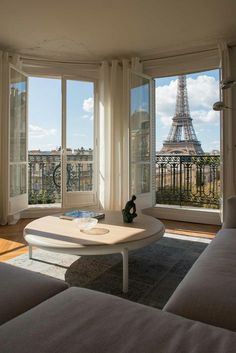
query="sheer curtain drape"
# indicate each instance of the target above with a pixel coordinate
(4, 111)
(114, 131)
(227, 131)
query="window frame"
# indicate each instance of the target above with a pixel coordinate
(70, 73)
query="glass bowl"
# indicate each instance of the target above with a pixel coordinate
(85, 223)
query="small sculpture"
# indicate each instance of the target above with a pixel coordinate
(128, 216)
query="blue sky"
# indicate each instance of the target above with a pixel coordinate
(45, 114)
(45, 111)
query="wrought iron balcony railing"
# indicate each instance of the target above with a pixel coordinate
(188, 180)
(44, 176)
(191, 180)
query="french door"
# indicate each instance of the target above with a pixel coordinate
(18, 156)
(142, 139)
(78, 152)
(74, 174)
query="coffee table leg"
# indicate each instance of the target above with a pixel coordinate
(30, 251)
(125, 270)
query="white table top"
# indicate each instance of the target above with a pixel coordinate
(54, 232)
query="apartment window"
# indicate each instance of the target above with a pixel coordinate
(61, 142)
(188, 140)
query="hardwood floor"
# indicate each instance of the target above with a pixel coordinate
(191, 229)
(12, 243)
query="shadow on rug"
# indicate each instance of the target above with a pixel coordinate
(154, 271)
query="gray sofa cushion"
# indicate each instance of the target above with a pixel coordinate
(22, 289)
(208, 292)
(82, 321)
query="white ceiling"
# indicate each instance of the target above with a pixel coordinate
(99, 29)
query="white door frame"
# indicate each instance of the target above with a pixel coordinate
(17, 203)
(77, 198)
(145, 200)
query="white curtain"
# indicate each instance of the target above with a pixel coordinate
(4, 111)
(227, 138)
(114, 132)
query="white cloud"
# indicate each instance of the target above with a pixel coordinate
(203, 91)
(210, 116)
(165, 102)
(166, 120)
(42, 147)
(39, 132)
(88, 105)
(166, 98)
(86, 116)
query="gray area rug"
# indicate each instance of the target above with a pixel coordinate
(154, 271)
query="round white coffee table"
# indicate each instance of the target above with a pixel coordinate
(109, 236)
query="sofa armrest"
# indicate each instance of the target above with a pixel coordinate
(230, 214)
(22, 289)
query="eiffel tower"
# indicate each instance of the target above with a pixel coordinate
(182, 138)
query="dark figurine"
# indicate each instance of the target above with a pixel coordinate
(128, 216)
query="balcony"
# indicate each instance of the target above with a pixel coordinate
(183, 180)
(44, 176)
(188, 180)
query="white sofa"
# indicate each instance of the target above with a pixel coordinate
(200, 317)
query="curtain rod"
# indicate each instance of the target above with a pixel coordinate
(98, 63)
(30, 58)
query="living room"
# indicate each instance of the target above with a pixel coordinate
(113, 51)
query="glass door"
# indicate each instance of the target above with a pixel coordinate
(78, 143)
(44, 141)
(18, 189)
(142, 139)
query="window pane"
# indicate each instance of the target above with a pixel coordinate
(17, 179)
(140, 178)
(18, 84)
(80, 132)
(140, 121)
(140, 135)
(44, 155)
